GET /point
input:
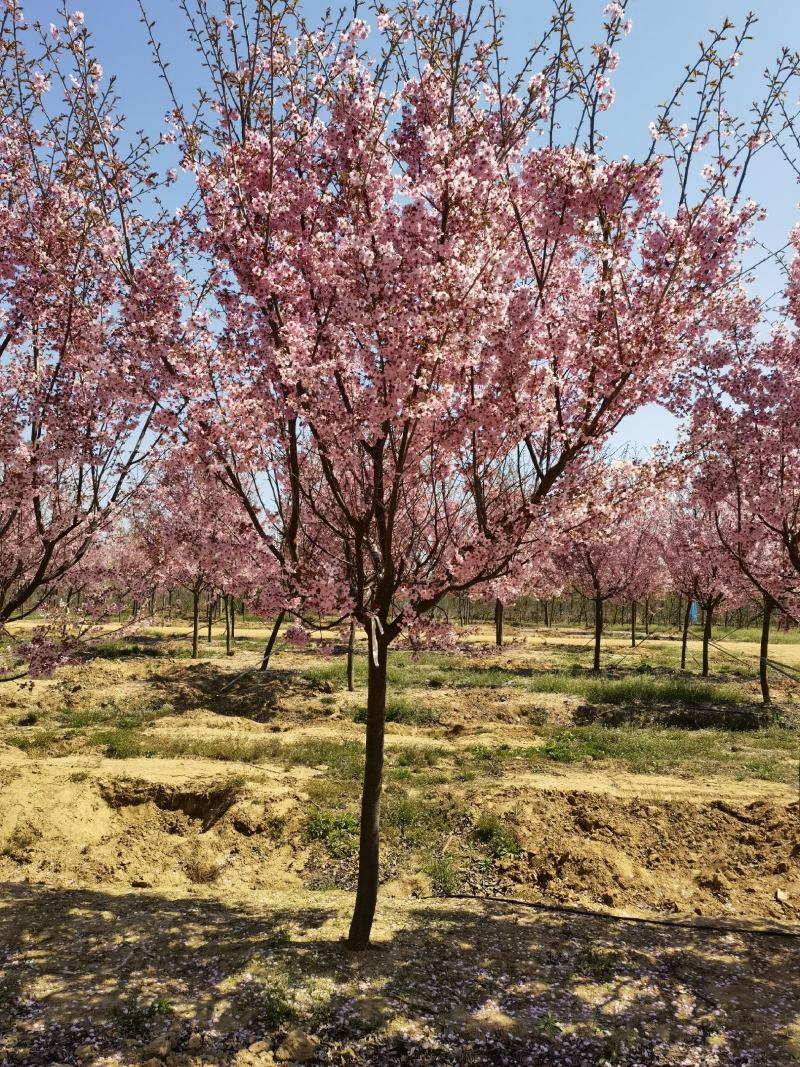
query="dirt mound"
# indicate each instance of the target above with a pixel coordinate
(81, 829)
(173, 824)
(716, 858)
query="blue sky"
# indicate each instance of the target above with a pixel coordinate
(664, 38)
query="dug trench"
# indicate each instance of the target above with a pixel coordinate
(568, 839)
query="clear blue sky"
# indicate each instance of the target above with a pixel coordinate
(664, 38)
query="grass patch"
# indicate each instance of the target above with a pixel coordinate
(267, 1004)
(496, 836)
(415, 819)
(636, 689)
(127, 715)
(37, 743)
(402, 711)
(338, 831)
(135, 1020)
(443, 875)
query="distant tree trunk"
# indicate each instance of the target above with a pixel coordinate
(546, 615)
(209, 610)
(707, 621)
(769, 607)
(680, 611)
(647, 616)
(232, 613)
(271, 643)
(227, 609)
(350, 650)
(195, 619)
(598, 630)
(498, 623)
(369, 838)
(633, 624)
(687, 618)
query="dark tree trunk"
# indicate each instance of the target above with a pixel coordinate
(687, 616)
(232, 613)
(598, 630)
(273, 637)
(633, 624)
(647, 616)
(350, 650)
(209, 609)
(707, 621)
(226, 609)
(498, 622)
(195, 620)
(546, 615)
(769, 606)
(369, 841)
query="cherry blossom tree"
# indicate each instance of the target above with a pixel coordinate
(430, 326)
(89, 309)
(191, 538)
(745, 443)
(619, 557)
(700, 570)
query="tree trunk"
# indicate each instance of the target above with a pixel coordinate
(633, 624)
(195, 620)
(271, 642)
(209, 609)
(226, 609)
(769, 605)
(350, 650)
(647, 616)
(546, 615)
(685, 638)
(598, 630)
(232, 613)
(369, 840)
(498, 623)
(707, 620)
(273, 637)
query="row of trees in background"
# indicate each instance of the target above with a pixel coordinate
(656, 567)
(373, 361)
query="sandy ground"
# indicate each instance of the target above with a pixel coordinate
(171, 911)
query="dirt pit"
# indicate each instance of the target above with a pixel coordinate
(177, 823)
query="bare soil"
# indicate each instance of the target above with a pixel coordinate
(175, 910)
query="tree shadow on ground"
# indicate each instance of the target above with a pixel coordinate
(453, 983)
(744, 717)
(251, 694)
